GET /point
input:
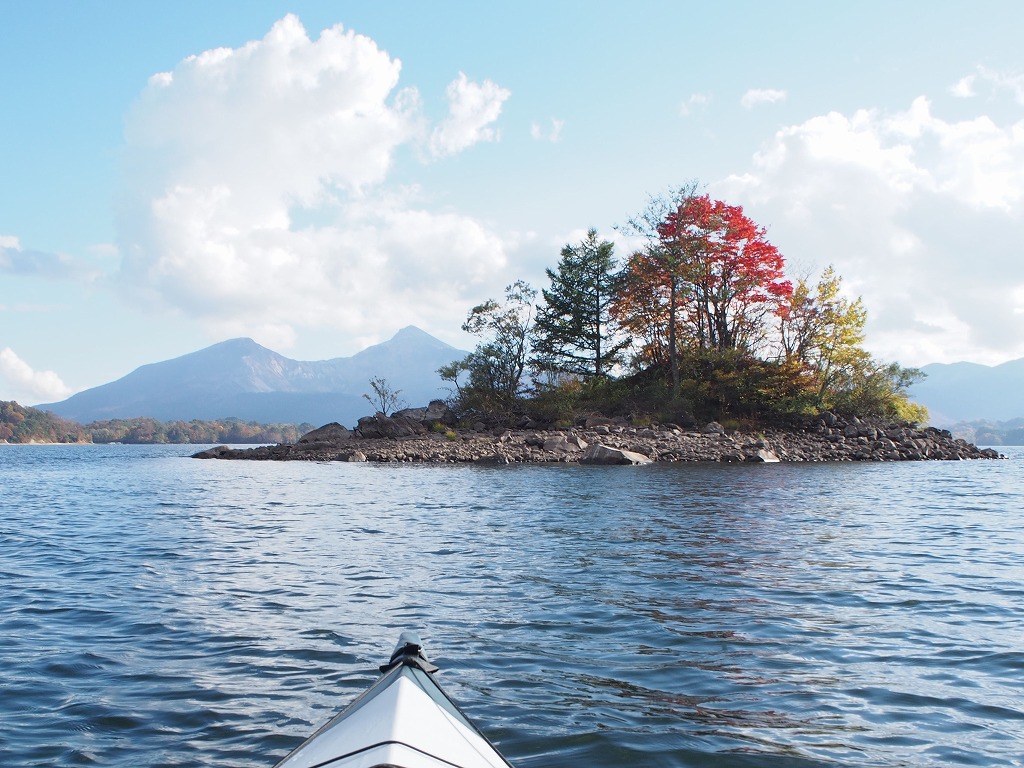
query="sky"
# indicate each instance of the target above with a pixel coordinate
(318, 175)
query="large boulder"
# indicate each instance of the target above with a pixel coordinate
(436, 411)
(218, 452)
(565, 444)
(762, 456)
(351, 456)
(602, 454)
(328, 434)
(379, 425)
(492, 459)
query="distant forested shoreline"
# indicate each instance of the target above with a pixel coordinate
(21, 424)
(987, 432)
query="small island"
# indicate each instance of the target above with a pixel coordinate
(697, 347)
(423, 435)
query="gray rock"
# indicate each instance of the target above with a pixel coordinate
(219, 452)
(576, 442)
(437, 410)
(329, 433)
(495, 459)
(379, 425)
(602, 454)
(875, 440)
(565, 444)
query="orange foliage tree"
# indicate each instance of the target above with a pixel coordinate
(708, 279)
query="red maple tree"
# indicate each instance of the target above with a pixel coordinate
(708, 279)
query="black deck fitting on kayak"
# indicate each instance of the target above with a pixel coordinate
(409, 653)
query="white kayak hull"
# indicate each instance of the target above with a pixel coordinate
(404, 720)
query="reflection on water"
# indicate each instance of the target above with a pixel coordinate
(164, 611)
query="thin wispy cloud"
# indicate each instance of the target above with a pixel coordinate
(1006, 82)
(15, 260)
(695, 103)
(758, 96)
(964, 87)
(552, 134)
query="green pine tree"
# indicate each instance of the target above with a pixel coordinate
(574, 330)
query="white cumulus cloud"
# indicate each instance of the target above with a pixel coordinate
(19, 382)
(472, 109)
(921, 215)
(256, 192)
(757, 96)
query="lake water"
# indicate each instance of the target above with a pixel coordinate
(161, 611)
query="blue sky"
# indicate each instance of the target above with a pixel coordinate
(317, 175)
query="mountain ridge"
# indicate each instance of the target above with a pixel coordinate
(241, 378)
(963, 391)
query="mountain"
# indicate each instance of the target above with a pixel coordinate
(955, 392)
(243, 379)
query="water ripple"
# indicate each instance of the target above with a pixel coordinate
(166, 612)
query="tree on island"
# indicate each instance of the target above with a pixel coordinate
(652, 282)
(823, 332)
(703, 303)
(574, 329)
(494, 370)
(707, 278)
(385, 399)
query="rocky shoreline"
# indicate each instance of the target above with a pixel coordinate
(417, 435)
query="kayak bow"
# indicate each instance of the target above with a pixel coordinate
(404, 720)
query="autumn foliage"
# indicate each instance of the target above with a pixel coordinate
(708, 279)
(704, 307)
(21, 424)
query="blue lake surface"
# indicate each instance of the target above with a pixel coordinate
(161, 611)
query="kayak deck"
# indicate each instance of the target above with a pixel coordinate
(404, 720)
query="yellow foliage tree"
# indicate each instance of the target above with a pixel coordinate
(824, 332)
